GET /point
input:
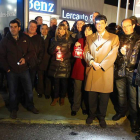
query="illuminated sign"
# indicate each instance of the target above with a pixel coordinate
(76, 15)
(45, 6)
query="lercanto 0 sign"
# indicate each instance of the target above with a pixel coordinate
(45, 6)
(76, 15)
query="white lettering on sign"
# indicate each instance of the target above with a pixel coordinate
(91, 18)
(51, 9)
(31, 4)
(8, 14)
(41, 6)
(37, 5)
(74, 16)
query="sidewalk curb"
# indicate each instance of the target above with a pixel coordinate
(67, 122)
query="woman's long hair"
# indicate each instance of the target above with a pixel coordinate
(67, 24)
(57, 34)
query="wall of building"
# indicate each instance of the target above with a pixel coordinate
(83, 5)
(111, 13)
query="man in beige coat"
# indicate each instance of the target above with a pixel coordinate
(100, 54)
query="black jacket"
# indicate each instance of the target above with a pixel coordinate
(128, 61)
(46, 58)
(60, 69)
(10, 53)
(137, 80)
(38, 45)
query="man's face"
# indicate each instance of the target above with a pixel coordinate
(44, 30)
(32, 28)
(14, 29)
(80, 25)
(53, 22)
(39, 21)
(100, 26)
(127, 27)
(94, 16)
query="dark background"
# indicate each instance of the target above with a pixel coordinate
(123, 3)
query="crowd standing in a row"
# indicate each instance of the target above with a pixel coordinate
(95, 60)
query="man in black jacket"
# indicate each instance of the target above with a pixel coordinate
(44, 82)
(15, 51)
(124, 69)
(38, 46)
(53, 26)
(39, 21)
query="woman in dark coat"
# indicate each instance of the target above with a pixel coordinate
(60, 69)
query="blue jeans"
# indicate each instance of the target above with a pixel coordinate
(125, 88)
(13, 80)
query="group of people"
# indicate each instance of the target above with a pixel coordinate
(97, 61)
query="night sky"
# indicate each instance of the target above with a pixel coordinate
(123, 3)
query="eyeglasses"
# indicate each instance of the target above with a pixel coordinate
(124, 27)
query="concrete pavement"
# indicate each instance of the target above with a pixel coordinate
(51, 114)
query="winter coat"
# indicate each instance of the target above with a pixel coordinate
(38, 45)
(104, 53)
(46, 58)
(78, 71)
(10, 52)
(60, 69)
(128, 61)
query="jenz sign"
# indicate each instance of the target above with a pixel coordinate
(45, 6)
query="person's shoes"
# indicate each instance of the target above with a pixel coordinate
(62, 101)
(55, 100)
(117, 117)
(134, 126)
(84, 112)
(73, 113)
(13, 114)
(89, 120)
(137, 137)
(34, 110)
(39, 95)
(47, 96)
(102, 123)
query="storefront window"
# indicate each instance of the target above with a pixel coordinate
(8, 12)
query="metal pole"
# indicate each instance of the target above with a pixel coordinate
(26, 14)
(134, 4)
(127, 6)
(118, 12)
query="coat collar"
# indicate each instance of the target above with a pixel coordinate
(104, 39)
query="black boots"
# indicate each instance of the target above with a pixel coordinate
(117, 117)
(13, 114)
(134, 126)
